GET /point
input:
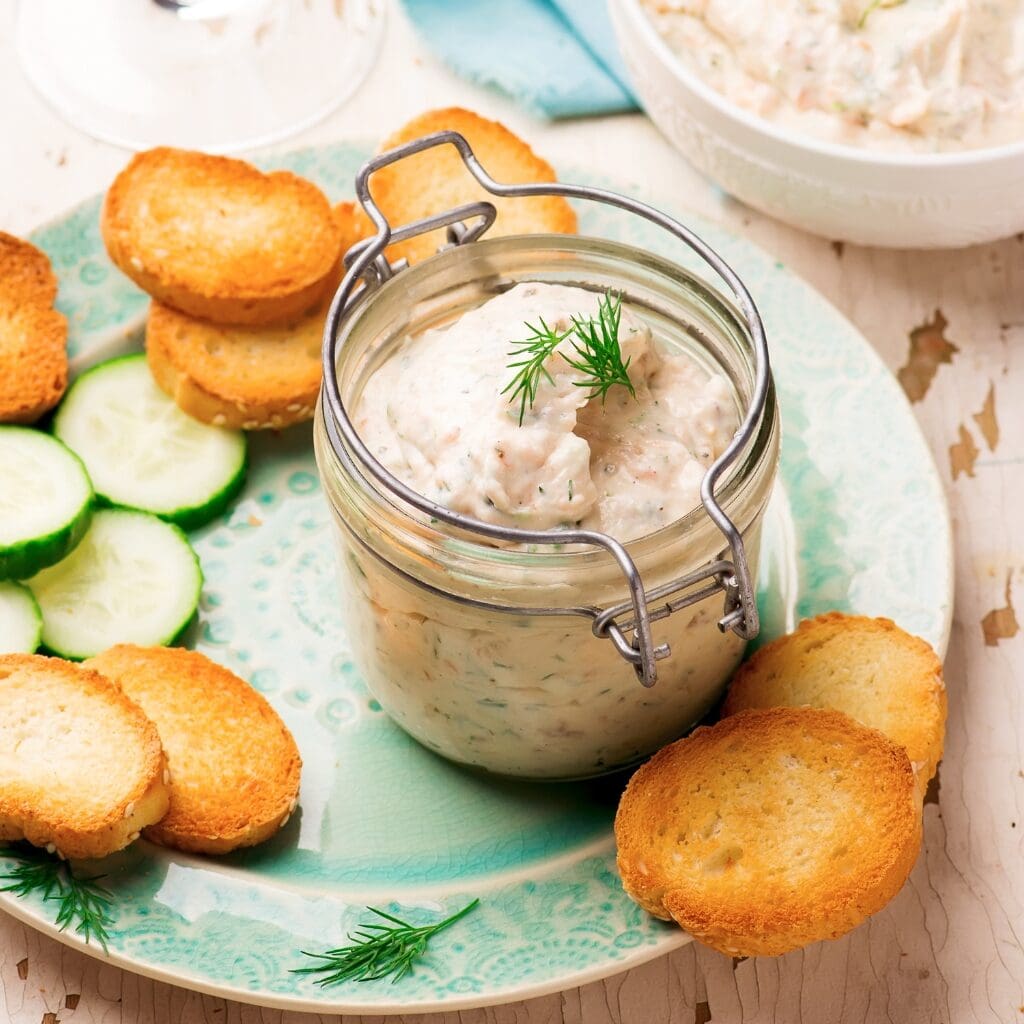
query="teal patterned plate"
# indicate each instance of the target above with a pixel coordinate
(858, 522)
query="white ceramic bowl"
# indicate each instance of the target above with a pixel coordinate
(928, 200)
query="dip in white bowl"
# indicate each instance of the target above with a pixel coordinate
(871, 195)
(894, 75)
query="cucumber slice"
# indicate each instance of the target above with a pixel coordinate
(20, 620)
(133, 579)
(143, 452)
(45, 501)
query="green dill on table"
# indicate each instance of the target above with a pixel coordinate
(376, 951)
(598, 357)
(80, 900)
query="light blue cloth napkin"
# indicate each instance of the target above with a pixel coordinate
(558, 58)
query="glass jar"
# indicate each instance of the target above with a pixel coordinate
(512, 691)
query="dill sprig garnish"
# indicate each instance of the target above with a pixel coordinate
(378, 950)
(595, 340)
(599, 356)
(535, 350)
(873, 6)
(81, 901)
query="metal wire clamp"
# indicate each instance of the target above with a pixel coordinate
(366, 262)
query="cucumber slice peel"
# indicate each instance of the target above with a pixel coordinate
(45, 501)
(142, 452)
(21, 623)
(133, 579)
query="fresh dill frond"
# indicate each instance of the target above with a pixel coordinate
(81, 902)
(378, 950)
(599, 356)
(595, 341)
(874, 5)
(534, 351)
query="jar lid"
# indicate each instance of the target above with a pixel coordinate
(367, 263)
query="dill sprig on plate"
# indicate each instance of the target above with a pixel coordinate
(378, 950)
(595, 341)
(80, 901)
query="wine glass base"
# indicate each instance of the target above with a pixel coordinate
(216, 75)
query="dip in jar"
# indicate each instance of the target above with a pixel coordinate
(896, 75)
(439, 416)
(485, 651)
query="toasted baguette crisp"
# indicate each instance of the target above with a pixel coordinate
(770, 830)
(33, 335)
(353, 224)
(437, 180)
(869, 668)
(234, 764)
(247, 378)
(81, 767)
(218, 239)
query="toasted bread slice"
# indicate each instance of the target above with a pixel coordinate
(437, 180)
(248, 378)
(81, 767)
(218, 239)
(234, 765)
(869, 668)
(33, 335)
(770, 830)
(353, 224)
(25, 273)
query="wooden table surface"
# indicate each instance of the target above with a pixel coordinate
(948, 950)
